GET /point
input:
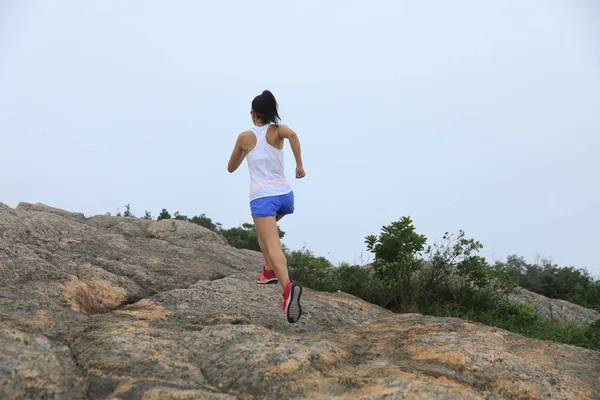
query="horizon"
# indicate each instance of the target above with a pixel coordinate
(539, 260)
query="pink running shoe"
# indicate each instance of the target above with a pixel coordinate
(267, 277)
(291, 301)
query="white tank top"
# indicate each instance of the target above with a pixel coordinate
(266, 167)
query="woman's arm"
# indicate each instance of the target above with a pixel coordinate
(239, 152)
(287, 133)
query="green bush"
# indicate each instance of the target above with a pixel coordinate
(548, 279)
(396, 264)
(180, 217)
(164, 214)
(308, 270)
(457, 275)
(362, 282)
(206, 222)
(128, 212)
(245, 236)
(407, 277)
(449, 271)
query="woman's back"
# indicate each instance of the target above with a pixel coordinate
(266, 164)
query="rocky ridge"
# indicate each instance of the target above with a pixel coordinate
(124, 308)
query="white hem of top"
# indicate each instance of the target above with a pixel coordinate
(271, 195)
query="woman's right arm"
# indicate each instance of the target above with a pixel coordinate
(286, 132)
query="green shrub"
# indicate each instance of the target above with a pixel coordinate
(311, 271)
(180, 217)
(245, 236)
(128, 212)
(396, 262)
(206, 222)
(449, 271)
(354, 279)
(362, 282)
(567, 283)
(164, 214)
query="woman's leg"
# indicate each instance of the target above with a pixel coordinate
(263, 250)
(262, 246)
(268, 234)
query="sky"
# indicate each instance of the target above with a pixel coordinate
(481, 116)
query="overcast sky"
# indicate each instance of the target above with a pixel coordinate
(482, 116)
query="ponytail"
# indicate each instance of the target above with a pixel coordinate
(265, 107)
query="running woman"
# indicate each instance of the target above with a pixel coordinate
(271, 196)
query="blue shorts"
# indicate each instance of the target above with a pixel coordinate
(273, 205)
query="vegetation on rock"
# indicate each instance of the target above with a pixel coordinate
(448, 278)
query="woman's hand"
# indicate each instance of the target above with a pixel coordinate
(300, 172)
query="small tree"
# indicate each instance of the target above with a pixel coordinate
(396, 252)
(180, 217)
(127, 212)
(164, 214)
(244, 236)
(456, 276)
(147, 215)
(206, 222)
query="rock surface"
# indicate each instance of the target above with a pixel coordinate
(558, 310)
(124, 308)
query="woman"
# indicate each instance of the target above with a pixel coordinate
(271, 196)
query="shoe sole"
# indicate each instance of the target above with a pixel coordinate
(294, 310)
(272, 280)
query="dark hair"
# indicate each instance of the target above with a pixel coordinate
(265, 107)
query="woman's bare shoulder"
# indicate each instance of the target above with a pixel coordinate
(285, 132)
